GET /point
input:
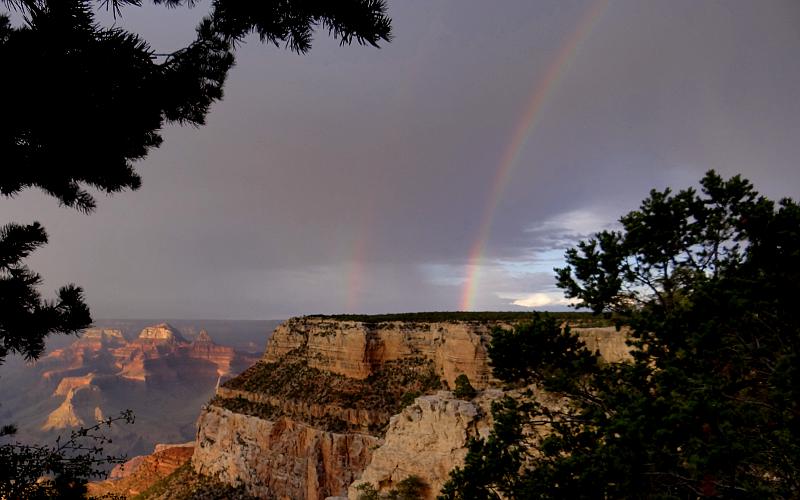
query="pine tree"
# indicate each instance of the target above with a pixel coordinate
(81, 104)
(710, 405)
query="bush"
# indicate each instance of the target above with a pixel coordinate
(464, 389)
(410, 488)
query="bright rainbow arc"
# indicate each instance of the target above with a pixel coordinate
(508, 160)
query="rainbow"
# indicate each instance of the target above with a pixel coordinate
(356, 275)
(530, 118)
(360, 247)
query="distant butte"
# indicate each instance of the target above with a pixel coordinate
(162, 331)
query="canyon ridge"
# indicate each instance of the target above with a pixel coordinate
(337, 403)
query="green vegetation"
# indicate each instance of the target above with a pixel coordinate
(574, 318)
(267, 411)
(408, 397)
(186, 484)
(61, 470)
(464, 389)
(710, 405)
(410, 488)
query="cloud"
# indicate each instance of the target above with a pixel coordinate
(565, 229)
(538, 299)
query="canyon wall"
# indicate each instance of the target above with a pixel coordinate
(313, 419)
(284, 458)
(356, 349)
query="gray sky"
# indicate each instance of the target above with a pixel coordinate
(355, 180)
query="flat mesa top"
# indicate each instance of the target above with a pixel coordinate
(470, 316)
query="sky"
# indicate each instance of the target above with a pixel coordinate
(449, 169)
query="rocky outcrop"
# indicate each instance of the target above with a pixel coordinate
(64, 416)
(100, 337)
(141, 472)
(307, 411)
(160, 377)
(282, 459)
(356, 349)
(204, 348)
(68, 384)
(427, 440)
(163, 332)
(79, 408)
(608, 341)
(312, 419)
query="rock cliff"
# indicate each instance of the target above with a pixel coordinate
(141, 472)
(357, 349)
(281, 458)
(336, 402)
(163, 332)
(203, 347)
(426, 439)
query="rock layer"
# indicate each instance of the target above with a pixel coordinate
(427, 439)
(282, 459)
(141, 472)
(355, 349)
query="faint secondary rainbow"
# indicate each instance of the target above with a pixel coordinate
(356, 276)
(526, 125)
(360, 247)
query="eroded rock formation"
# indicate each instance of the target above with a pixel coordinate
(313, 418)
(357, 349)
(141, 472)
(283, 458)
(427, 440)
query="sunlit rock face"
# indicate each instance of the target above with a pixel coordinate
(102, 337)
(162, 332)
(427, 440)
(143, 471)
(356, 349)
(203, 347)
(283, 458)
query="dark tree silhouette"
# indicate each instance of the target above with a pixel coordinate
(81, 103)
(710, 405)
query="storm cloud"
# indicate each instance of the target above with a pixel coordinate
(355, 180)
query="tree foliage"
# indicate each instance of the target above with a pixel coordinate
(88, 101)
(82, 103)
(58, 471)
(410, 488)
(25, 318)
(709, 407)
(464, 389)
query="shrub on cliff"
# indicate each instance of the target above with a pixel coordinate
(710, 405)
(60, 470)
(464, 389)
(410, 488)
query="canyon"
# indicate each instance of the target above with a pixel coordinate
(336, 403)
(160, 372)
